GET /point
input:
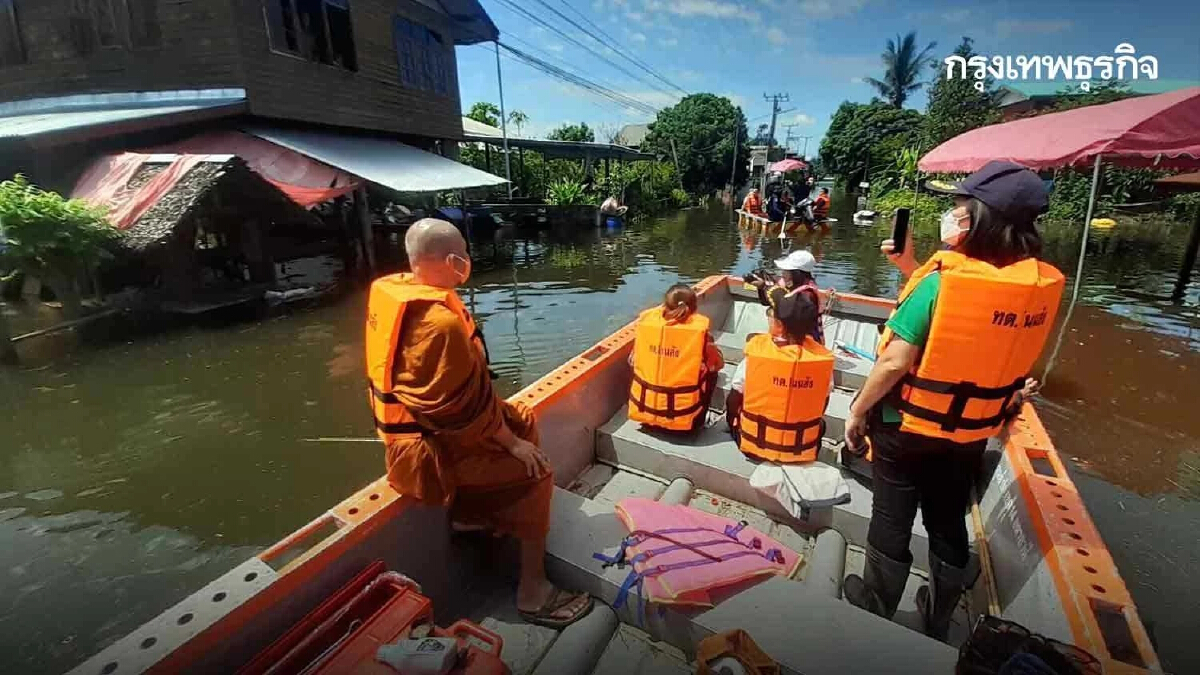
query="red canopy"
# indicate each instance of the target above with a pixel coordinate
(786, 165)
(307, 181)
(1161, 131)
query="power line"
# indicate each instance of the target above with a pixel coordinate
(611, 95)
(611, 41)
(580, 81)
(537, 19)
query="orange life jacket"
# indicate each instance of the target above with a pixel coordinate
(389, 297)
(821, 206)
(989, 326)
(667, 360)
(787, 389)
(753, 204)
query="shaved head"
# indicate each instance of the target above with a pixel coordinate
(430, 239)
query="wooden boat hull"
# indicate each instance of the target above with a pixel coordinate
(1053, 572)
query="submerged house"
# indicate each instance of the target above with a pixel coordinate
(196, 229)
(367, 88)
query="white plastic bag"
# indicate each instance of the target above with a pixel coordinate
(800, 487)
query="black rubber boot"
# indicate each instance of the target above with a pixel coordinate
(939, 599)
(879, 589)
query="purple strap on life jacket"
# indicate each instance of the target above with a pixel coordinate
(636, 578)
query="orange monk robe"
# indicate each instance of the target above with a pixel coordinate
(442, 378)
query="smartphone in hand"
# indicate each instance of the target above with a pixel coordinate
(900, 231)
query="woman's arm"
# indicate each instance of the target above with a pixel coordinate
(897, 359)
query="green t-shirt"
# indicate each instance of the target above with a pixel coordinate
(911, 323)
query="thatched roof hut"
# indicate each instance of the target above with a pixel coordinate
(193, 224)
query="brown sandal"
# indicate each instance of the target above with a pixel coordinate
(544, 615)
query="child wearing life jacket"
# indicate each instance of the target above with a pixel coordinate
(651, 359)
(791, 319)
(796, 277)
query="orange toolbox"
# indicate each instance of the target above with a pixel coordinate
(376, 608)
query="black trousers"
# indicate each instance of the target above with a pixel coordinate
(910, 471)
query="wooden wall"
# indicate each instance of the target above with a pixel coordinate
(285, 86)
(198, 50)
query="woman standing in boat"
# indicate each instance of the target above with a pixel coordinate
(952, 369)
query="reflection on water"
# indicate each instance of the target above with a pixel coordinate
(133, 473)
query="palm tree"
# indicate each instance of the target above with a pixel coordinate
(902, 69)
(519, 119)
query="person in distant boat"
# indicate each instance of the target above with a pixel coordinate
(451, 440)
(796, 277)
(776, 209)
(952, 360)
(752, 204)
(777, 395)
(820, 205)
(612, 207)
(675, 364)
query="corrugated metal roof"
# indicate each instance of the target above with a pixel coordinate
(486, 133)
(388, 163)
(39, 117)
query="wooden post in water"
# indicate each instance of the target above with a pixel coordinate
(1189, 260)
(364, 219)
(8, 351)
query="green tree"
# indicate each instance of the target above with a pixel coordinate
(54, 239)
(518, 119)
(902, 65)
(486, 113)
(705, 129)
(579, 133)
(865, 138)
(955, 105)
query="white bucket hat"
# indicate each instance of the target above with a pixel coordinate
(797, 260)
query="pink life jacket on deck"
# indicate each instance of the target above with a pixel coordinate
(679, 554)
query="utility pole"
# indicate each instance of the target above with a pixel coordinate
(503, 129)
(787, 141)
(733, 169)
(775, 100)
(804, 152)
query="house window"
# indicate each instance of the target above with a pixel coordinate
(113, 23)
(314, 30)
(12, 50)
(420, 56)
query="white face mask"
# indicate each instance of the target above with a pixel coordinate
(466, 262)
(951, 229)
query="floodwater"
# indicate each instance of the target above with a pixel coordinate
(133, 473)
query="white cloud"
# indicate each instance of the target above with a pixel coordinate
(712, 9)
(669, 42)
(656, 99)
(553, 47)
(638, 18)
(638, 37)
(776, 36)
(537, 30)
(829, 9)
(1009, 27)
(956, 15)
(686, 75)
(803, 119)
(737, 99)
(857, 80)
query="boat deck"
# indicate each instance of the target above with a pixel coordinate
(708, 472)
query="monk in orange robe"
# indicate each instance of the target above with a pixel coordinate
(479, 454)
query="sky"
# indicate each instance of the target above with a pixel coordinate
(815, 51)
